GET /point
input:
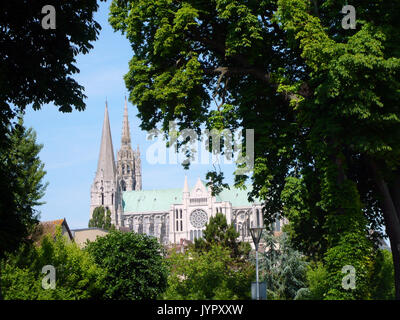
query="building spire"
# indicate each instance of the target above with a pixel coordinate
(126, 137)
(186, 186)
(106, 163)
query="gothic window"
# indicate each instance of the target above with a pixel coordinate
(102, 199)
(191, 235)
(181, 225)
(112, 198)
(123, 185)
(198, 218)
(128, 169)
(258, 217)
(123, 169)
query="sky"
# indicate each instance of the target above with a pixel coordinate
(71, 141)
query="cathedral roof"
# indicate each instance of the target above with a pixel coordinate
(151, 200)
(161, 200)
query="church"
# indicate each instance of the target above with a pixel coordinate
(171, 215)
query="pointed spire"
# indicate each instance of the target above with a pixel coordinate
(106, 163)
(126, 137)
(185, 185)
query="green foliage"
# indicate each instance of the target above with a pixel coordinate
(323, 101)
(281, 267)
(211, 274)
(27, 187)
(374, 280)
(77, 276)
(218, 231)
(101, 218)
(382, 287)
(134, 265)
(36, 68)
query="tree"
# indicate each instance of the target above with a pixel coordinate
(36, 66)
(211, 274)
(27, 186)
(101, 218)
(288, 70)
(134, 265)
(76, 274)
(218, 231)
(283, 268)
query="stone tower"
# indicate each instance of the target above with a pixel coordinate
(126, 157)
(105, 191)
(129, 169)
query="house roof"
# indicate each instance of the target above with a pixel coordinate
(49, 227)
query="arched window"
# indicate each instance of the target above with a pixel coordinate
(128, 169)
(123, 169)
(102, 199)
(191, 235)
(123, 185)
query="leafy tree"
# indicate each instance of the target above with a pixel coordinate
(36, 66)
(382, 287)
(77, 276)
(376, 283)
(27, 186)
(101, 218)
(211, 274)
(287, 69)
(134, 265)
(22, 187)
(282, 267)
(218, 231)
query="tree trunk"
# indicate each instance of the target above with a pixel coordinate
(391, 218)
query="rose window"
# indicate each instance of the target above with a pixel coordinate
(198, 218)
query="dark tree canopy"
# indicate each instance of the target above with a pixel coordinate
(36, 67)
(36, 64)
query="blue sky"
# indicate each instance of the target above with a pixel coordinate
(72, 140)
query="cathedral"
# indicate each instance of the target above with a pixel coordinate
(171, 215)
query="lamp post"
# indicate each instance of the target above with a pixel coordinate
(256, 235)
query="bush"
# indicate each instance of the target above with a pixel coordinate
(134, 265)
(211, 274)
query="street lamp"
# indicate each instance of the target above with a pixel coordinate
(256, 235)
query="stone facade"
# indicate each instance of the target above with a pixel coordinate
(171, 215)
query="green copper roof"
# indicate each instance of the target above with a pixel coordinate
(161, 200)
(150, 200)
(237, 197)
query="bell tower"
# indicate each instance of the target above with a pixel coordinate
(104, 191)
(128, 161)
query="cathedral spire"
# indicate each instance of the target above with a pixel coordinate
(185, 185)
(106, 163)
(126, 137)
